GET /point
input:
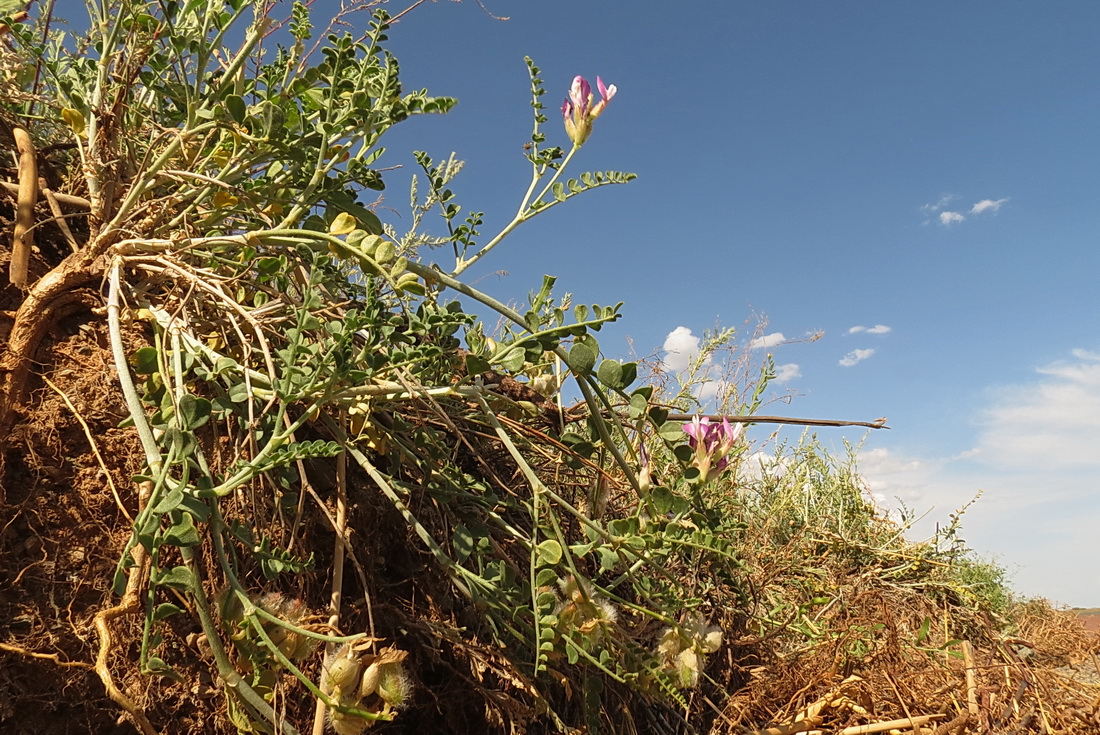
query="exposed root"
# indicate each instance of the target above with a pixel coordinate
(129, 603)
(19, 650)
(54, 297)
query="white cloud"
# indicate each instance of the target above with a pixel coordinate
(949, 218)
(937, 206)
(785, 373)
(893, 478)
(1035, 458)
(987, 205)
(681, 349)
(855, 356)
(1053, 422)
(711, 388)
(761, 465)
(877, 329)
(767, 340)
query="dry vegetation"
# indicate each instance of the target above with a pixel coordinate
(295, 471)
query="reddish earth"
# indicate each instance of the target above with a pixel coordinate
(1091, 620)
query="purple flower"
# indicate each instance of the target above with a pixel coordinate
(712, 443)
(578, 110)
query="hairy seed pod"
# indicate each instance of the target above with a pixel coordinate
(344, 724)
(394, 686)
(341, 671)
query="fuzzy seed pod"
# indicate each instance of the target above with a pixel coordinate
(344, 724)
(341, 672)
(394, 686)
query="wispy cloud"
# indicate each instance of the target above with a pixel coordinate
(1054, 421)
(948, 217)
(1035, 458)
(939, 204)
(767, 340)
(877, 329)
(855, 356)
(787, 373)
(987, 205)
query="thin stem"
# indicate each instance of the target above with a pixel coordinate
(525, 213)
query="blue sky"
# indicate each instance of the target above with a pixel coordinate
(930, 168)
(926, 171)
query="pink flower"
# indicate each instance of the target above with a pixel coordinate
(578, 110)
(712, 444)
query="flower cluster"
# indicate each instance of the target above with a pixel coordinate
(712, 443)
(578, 110)
(683, 651)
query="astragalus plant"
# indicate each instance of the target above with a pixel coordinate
(351, 488)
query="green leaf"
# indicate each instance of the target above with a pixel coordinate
(630, 373)
(582, 357)
(611, 374)
(234, 104)
(608, 559)
(638, 404)
(410, 283)
(666, 501)
(476, 365)
(923, 632)
(145, 361)
(545, 577)
(549, 552)
(169, 502)
(512, 361)
(385, 252)
(193, 411)
(671, 431)
(166, 610)
(156, 665)
(239, 393)
(463, 542)
(178, 578)
(183, 532)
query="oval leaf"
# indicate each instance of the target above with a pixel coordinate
(611, 374)
(582, 358)
(549, 552)
(145, 361)
(342, 224)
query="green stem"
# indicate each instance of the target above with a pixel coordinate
(233, 680)
(129, 392)
(525, 213)
(555, 177)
